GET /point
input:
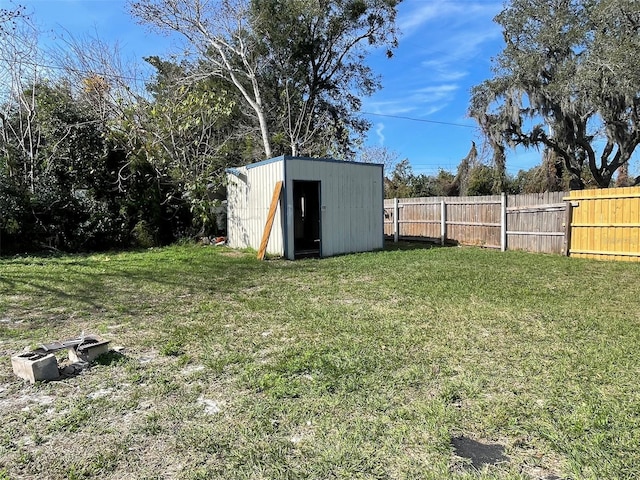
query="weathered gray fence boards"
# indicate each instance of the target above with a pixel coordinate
(535, 222)
(532, 222)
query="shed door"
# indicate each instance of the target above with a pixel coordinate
(306, 219)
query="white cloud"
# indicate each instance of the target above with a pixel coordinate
(389, 106)
(417, 102)
(444, 42)
(415, 14)
(451, 59)
(411, 20)
(379, 132)
(445, 47)
(443, 69)
(432, 93)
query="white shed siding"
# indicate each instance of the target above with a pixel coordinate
(351, 204)
(248, 201)
(237, 209)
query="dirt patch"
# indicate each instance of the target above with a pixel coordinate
(539, 473)
(211, 407)
(25, 402)
(191, 369)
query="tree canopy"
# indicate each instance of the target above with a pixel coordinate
(297, 64)
(568, 80)
(93, 157)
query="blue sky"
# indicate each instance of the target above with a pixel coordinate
(445, 48)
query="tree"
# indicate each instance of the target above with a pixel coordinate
(301, 59)
(318, 50)
(97, 70)
(56, 195)
(566, 80)
(219, 31)
(482, 180)
(402, 182)
(432, 185)
(460, 184)
(398, 183)
(20, 141)
(379, 154)
(8, 17)
(188, 133)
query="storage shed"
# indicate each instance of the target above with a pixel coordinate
(325, 207)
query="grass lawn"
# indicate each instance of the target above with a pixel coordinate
(361, 366)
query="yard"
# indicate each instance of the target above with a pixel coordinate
(361, 366)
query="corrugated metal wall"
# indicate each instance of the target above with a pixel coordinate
(351, 203)
(248, 199)
(606, 224)
(237, 188)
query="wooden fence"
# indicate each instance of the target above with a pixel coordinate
(598, 223)
(534, 222)
(605, 224)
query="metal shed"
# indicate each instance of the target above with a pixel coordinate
(326, 207)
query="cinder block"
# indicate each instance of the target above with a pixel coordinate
(89, 350)
(35, 367)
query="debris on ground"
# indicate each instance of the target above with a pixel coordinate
(41, 363)
(216, 241)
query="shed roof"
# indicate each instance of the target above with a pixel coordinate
(289, 157)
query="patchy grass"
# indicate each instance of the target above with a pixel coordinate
(361, 366)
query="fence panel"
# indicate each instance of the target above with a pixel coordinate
(420, 217)
(533, 222)
(536, 222)
(605, 224)
(474, 220)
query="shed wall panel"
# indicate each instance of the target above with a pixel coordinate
(237, 236)
(351, 204)
(262, 181)
(248, 201)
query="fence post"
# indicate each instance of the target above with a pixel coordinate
(396, 221)
(503, 222)
(568, 218)
(443, 222)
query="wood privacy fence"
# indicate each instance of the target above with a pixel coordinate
(595, 223)
(605, 224)
(534, 222)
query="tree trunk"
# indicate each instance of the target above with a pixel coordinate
(264, 131)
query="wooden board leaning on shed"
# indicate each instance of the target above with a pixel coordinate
(269, 224)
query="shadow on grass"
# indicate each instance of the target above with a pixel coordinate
(96, 280)
(111, 358)
(68, 369)
(415, 244)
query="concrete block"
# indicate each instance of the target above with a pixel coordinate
(35, 367)
(89, 350)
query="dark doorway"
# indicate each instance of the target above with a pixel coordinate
(306, 219)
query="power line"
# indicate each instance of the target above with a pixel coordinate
(124, 77)
(419, 120)
(31, 63)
